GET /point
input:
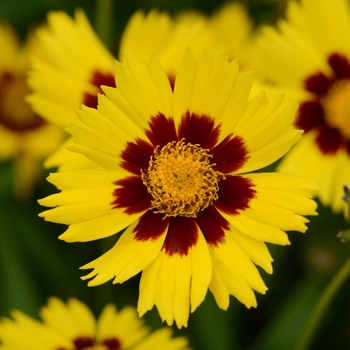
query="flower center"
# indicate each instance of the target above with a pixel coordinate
(181, 179)
(15, 112)
(337, 106)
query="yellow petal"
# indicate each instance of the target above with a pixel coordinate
(237, 272)
(127, 258)
(70, 320)
(330, 172)
(176, 283)
(125, 325)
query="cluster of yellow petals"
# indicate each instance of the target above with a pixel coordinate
(181, 179)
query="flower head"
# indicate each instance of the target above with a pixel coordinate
(308, 57)
(175, 175)
(72, 325)
(25, 137)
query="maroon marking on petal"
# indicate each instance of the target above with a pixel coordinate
(348, 147)
(172, 79)
(198, 129)
(162, 130)
(182, 235)
(132, 195)
(235, 193)
(310, 116)
(136, 156)
(83, 342)
(329, 140)
(112, 343)
(150, 226)
(229, 155)
(317, 83)
(212, 224)
(340, 65)
(90, 100)
(98, 78)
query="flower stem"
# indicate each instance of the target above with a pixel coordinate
(321, 306)
(104, 20)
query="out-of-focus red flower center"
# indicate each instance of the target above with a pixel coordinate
(328, 112)
(15, 112)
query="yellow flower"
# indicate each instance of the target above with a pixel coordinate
(308, 56)
(73, 326)
(25, 138)
(77, 64)
(175, 174)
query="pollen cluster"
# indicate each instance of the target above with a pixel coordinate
(181, 179)
(337, 106)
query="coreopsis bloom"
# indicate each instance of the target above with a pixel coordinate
(25, 138)
(77, 64)
(72, 325)
(175, 174)
(308, 56)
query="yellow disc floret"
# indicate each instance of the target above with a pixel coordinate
(337, 106)
(181, 179)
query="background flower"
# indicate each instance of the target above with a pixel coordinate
(73, 325)
(308, 57)
(26, 139)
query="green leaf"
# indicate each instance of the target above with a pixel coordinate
(286, 324)
(215, 328)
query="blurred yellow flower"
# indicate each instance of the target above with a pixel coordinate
(67, 326)
(26, 139)
(175, 174)
(308, 57)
